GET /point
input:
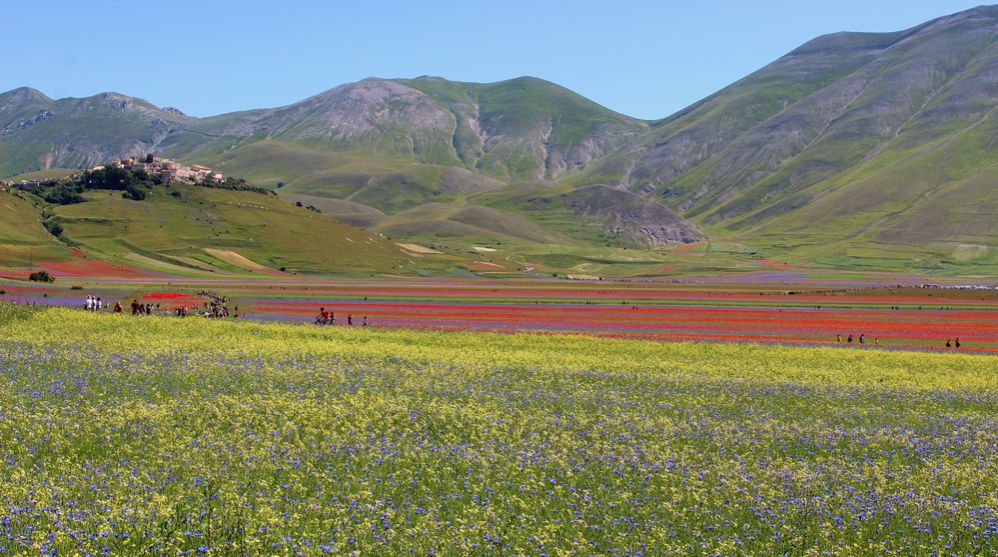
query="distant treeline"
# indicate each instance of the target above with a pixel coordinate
(134, 184)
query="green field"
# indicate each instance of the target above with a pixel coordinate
(165, 436)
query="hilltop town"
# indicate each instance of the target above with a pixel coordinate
(155, 166)
(166, 169)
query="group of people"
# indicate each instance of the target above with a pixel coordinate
(215, 308)
(327, 317)
(93, 303)
(217, 305)
(210, 310)
(142, 309)
(860, 340)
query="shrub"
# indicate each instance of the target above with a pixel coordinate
(41, 276)
(54, 228)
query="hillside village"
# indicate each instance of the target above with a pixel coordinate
(166, 170)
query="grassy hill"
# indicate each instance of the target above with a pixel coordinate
(856, 150)
(212, 229)
(186, 229)
(23, 239)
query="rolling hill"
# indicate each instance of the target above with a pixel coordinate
(191, 230)
(854, 150)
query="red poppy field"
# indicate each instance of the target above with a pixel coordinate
(874, 317)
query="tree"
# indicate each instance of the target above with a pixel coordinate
(136, 192)
(63, 195)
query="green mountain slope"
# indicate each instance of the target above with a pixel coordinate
(870, 150)
(852, 143)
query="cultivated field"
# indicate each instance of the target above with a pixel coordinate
(808, 312)
(135, 436)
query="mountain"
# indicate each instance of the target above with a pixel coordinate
(361, 151)
(851, 142)
(873, 150)
(39, 133)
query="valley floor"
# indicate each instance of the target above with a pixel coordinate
(775, 307)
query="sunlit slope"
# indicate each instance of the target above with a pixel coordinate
(23, 239)
(932, 206)
(202, 228)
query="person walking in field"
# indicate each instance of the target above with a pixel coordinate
(350, 320)
(957, 343)
(117, 307)
(89, 304)
(849, 340)
(100, 304)
(365, 321)
(862, 339)
(838, 338)
(948, 343)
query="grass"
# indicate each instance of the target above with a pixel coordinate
(151, 436)
(23, 239)
(259, 227)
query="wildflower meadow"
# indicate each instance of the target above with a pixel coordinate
(159, 436)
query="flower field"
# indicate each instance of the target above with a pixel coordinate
(902, 318)
(200, 437)
(815, 313)
(977, 328)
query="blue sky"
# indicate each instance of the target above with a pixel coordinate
(642, 58)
